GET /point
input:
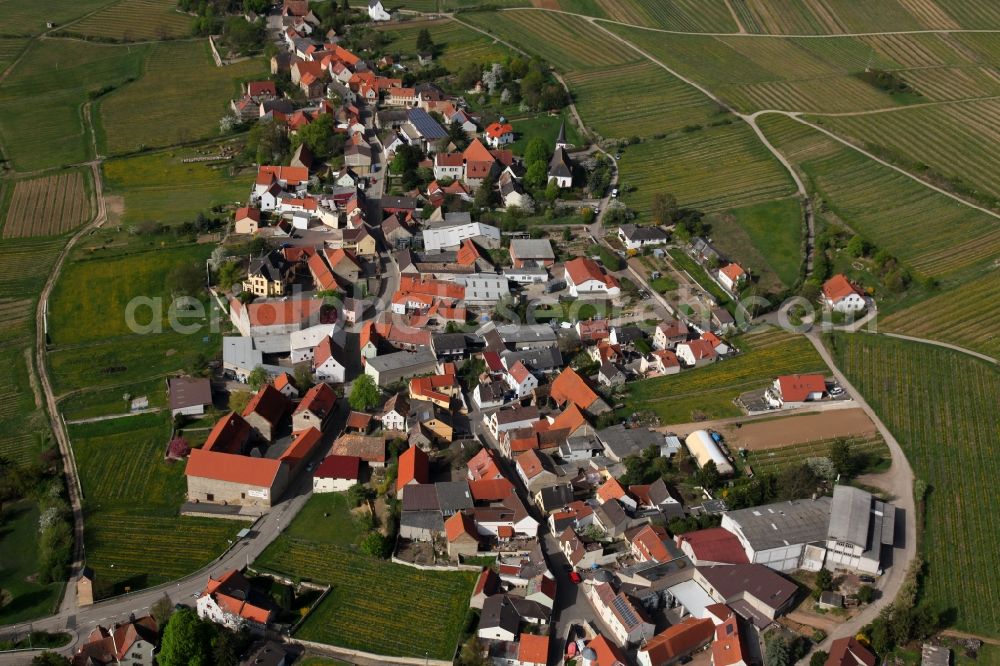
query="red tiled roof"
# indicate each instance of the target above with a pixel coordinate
(269, 403)
(608, 654)
(413, 466)
(727, 648)
(679, 640)
(490, 490)
(714, 544)
(228, 434)
(483, 465)
(468, 253)
(247, 212)
(593, 330)
(571, 387)
(283, 380)
(291, 175)
(449, 159)
(277, 313)
(233, 468)
(531, 464)
(320, 400)
(532, 649)
(583, 269)
(796, 388)
(611, 489)
(477, 152)
(649, 542)
(339, 467)
(848, 651)
(497, 130)
(667, 358)
(571, 419)
(255, 88)
(701, 349)
(733, 271)
(459, 524)
(839, 287)
(359, 420)
(302, 446)
(519, 372)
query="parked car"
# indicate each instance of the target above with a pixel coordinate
(614, 193)
(575, 578)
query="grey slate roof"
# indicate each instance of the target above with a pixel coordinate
(850, 514)
(636, 233)
(422, 520)
(784, 523)
(559, 165)
(526, 333)
(623, 442)
(420, 497)
(528, 248)
(544, 359)
(453, 496)
(554, 497)
(403, 359)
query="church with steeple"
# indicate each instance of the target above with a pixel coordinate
(560, 166)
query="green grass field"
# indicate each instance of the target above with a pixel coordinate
(135, 20)
(9, 50)
(104, 402)
(544, 126)
(126, 482)
(180, 97)
(942, 407)
(932, 233)
(456, 44)
(18, 536)
(25, 18)
(765, 239)
(709, 391)
(649, 100)
(41, 100)
(79, 313)
(352, 616)
(712, 169)
(567, 42)
(160, 187)
(962, 315)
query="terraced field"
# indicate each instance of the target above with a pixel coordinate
(963, 315)
(709, 391)
(712, 169)
(180, 97)
(135, 20)
(651, 100)
(959, 141)
(942, 407)
(982, 14)
(141, 490)
(47, 206)
(817, 17)
(569, 43)
(9, 50)
(41, 100)
(457, 44)
(934, 234)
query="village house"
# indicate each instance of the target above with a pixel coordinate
(328, 363)
(129, 643)
(246, 220)
(634, 237)
(232, 602)
(315, 409)
(526, 252)
(189, 395)
(732, 277)
(626, 620)
(677, 642)
(336, 474)
(265, 412)
(498, 134)
(268, 275)
(585, 277)
(795, 390)
(840, 295)
(696, 353)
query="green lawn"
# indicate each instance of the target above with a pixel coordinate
(18, 544)
(765, 238)
(42, 98)
(90, 300)
(709, 391)
(544, 126)
(455, 44)
(105, 402)
(126, 482)
(180, 97)
(326, 517)
(374, 605)
(160, 187)
(942, 407)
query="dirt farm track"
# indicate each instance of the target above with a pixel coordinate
(780, 431)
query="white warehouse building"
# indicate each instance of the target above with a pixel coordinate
(784, 536)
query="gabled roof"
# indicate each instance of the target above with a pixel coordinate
(733, 271)
(608, 654)
(714, 544)
(208, 464)
(339, 467)
(839, 287)
(497, 130)
(491, 490)
(582, 269)
(477, 152)
(460, 524)
(796, 388)
(649, 541)
(532, 463)
(727, 648)
(320, 400)
(228, 434)
(519, 372)
(700, 349)
(413, 466)
(571, 387)
(679, 640)
(279, 313)
(328, 349)
(189, 391)
(611, 489)
(268, 403)
(369, 448)
(302, 446)
(848, 651)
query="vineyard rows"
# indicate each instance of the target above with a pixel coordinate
(569, 43)
(656, 101)
(47, 206)
(25, 262)
(15, 315)
(712, 170)
(685, 15)
(961, 140)
(932, 233)
(136, 20)
(967, 315)
(774, 460)
(942, 407)
(355, 617)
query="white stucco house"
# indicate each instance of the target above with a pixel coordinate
(377, 12)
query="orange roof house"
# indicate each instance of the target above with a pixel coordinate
(229, 434)
(413, 468)
(800, 388)
(265, 410)
(840, 294)
(678, 641)
(533, 650)
(483, 465)
(727, 648)
(232, 595)
(848, 651)
(570, 387)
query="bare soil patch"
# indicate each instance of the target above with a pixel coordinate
(784, 431)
